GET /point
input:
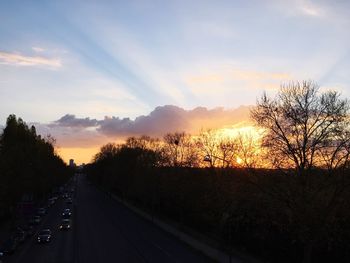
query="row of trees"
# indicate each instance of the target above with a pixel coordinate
(283, 195)
(28, 165)
(208, 149)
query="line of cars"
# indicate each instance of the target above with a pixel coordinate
(66, 223)
(67, 212)
(22, 232)
(45, 235)
(26, 228)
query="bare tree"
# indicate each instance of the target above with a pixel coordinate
(227, 151)
(249, 151)
(179, 150)
(303, 127)
(208, 142)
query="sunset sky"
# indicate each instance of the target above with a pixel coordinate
(90, 72)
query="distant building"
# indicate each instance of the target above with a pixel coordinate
(72, 163)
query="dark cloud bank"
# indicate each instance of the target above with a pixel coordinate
(160, 121)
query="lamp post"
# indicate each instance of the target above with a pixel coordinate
(208, 158)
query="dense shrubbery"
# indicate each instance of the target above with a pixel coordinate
(28, 165)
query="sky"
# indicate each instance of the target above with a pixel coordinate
(90, 72)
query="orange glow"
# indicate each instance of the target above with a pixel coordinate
(236, 130)
(232, 132)
(248, 139)
(80, 155)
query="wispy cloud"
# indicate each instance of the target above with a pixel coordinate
(258, 75)
(310, 9)
(306, 8)
(221, 79)
(38, 49)
(22, 60)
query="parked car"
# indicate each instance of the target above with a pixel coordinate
(44, 236)
(69, 201)
(65, 224)
(9, 246)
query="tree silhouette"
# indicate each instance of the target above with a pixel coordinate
(303, 127)
(28, 164)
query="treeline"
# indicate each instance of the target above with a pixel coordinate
(210, 148)
(29, 165)
(284, 197)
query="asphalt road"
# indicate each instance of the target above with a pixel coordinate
(102, 231)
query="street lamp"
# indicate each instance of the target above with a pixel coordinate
(208, 158)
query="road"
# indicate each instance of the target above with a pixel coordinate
(103, 230)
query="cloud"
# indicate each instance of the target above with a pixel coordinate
(258, 75)
(160, 121)
(69, 120)
(171, 118)
(71, 131)
(308, 8)
(237, 74)
(22, 60)
(302, 8)
(223, 80)
(38, 49)
(71, 136)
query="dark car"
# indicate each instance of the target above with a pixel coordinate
(65, 224)
(9, 246)
(44, 236)
(66, 212)
(69, 201)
